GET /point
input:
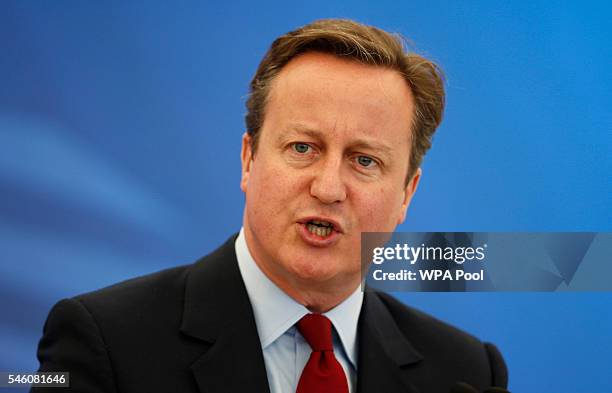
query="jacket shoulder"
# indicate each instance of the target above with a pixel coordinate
(425, 325)
(448, 346)
(129, 336)
(145, 292)
(155, 292)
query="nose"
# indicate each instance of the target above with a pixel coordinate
(328, 184)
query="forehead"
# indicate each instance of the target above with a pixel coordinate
(335, 95)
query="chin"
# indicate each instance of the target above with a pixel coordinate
(320, 271)
(306, 270)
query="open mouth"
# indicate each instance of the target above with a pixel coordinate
(320, 228)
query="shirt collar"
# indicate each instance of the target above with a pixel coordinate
(275, 312)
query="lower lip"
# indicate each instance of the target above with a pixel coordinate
(316, 240)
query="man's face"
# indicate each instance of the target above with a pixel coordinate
(331, 163)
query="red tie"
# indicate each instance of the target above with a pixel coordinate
(322, 373)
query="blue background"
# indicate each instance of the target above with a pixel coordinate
(120, 128)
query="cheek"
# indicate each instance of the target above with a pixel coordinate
(272, 189)
(264, 175)
(381, 209)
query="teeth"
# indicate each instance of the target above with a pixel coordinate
(324, 223)
(317, 230)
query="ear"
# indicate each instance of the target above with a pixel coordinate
(246, 157)
(409, 191)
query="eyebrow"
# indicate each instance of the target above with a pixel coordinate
(301, 129)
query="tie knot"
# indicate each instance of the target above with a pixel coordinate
(316, 329)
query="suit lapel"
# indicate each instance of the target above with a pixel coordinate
(385, 355)
(217, 310)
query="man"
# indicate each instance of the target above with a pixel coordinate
(339, 118)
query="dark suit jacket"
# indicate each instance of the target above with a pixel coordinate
(191, 329)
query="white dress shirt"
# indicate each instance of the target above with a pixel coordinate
(285, 351)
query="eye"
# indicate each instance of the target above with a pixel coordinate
(301, 148)
(365, 161)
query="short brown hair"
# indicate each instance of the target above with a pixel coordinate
(368, 45)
